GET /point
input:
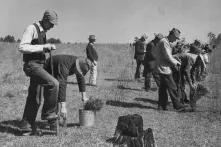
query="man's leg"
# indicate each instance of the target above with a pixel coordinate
(172, 90)
(137, 74)
(147, 82)
(51, 87)
(162, 93)
(93, 75)
(31, 106)
(38, 76)
(156, 77)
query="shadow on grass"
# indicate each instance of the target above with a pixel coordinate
(12, 127)
(120, 80)
(147, 100)
(128, 88)
(153, 89)
(73, 125)
(127, 105)
(75, 83)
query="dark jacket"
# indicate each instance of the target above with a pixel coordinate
(91, 52)
(64, 66)
(195, 49)
(140, 47)
(185, 70)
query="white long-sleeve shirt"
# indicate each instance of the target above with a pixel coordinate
(164, 57)
(30, 33)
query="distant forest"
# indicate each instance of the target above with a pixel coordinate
(11, 39)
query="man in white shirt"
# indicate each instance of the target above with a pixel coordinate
(165, 61)
(34, 47)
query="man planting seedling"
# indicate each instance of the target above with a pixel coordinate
(64, 66)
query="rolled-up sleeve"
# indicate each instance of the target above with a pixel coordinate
(25, 44)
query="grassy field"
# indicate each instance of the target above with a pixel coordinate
(121, 95)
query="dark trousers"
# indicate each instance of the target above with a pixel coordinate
(40, 77)
(148, 75)
(167, 84)
(179, 79)
(138, 68)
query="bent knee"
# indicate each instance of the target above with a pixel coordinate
(54, 84)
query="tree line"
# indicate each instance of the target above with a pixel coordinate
(11, 39)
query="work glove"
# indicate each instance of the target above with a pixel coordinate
(48, 47)
(63, 111)
(84, 97)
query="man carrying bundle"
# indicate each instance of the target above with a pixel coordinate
(64, 66)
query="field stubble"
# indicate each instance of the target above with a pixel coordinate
(122, 95)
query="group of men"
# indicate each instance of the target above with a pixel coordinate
(48, 74)
(172, 67)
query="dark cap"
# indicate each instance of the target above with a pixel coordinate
(176, 32)
(51, 16)
(91, 37)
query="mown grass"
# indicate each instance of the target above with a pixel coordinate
(121, 95)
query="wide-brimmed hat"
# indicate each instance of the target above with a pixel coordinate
(51, 16)
(176, 32)
(158, 36)
(83, 65)
(92, 37)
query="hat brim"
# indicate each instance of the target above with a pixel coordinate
(54, 22)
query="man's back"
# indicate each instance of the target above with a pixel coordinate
(164, 57)
(140, 48)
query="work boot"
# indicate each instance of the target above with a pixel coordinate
(25, 126)
(54, 126)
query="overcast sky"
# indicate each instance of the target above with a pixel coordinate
(114, 20)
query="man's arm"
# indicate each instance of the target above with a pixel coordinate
(167, 53)
(82, 87)
(25, 45)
